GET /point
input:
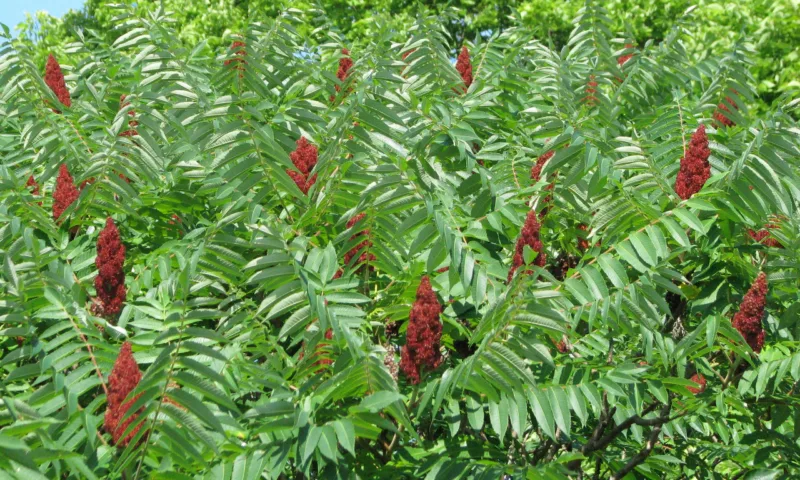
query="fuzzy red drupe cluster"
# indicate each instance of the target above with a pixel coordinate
(694, 169)
(32, 185)
(65, 192)
(132, 124)
(700, 380)
(345, 64)
(362, 247)
(304, 158)
(763, 236)
(54, 79)
(110, 280)
(719, 114)
(624, 58)
(528, 236)
(125, 375)
(464, 67)
(748, 319)
(423, 335)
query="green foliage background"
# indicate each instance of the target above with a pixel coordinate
(227, 309)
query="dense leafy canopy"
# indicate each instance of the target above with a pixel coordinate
(267, 324)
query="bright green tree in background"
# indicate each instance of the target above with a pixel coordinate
(714, 26)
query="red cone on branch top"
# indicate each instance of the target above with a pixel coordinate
(694, 169)
(54, 79)
(304, 158)
(624, 58)
(132, 124)
(464, 67)
(423, 334)
(700, 380)
(65, 192)
(719, 113)
(591, 89)
(361, 247)
(763, 236)
(238, 48)
(110, 280)
(125, 375)
(345, 64)
(32, 185)
(528, 236)
(536, 169)
(748, 319)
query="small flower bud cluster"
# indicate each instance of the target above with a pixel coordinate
(748, 319)
(694, 169)
(54, 79)
(528, 236)
(423, 334)
(304, 158)
(239, 62)
(125, 375)
(464, 67)
(390, 362)
(110, 280)
(700, 380)
(65, 192)
(132, 124)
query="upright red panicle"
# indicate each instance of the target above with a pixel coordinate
(65, 192)
(700, 380)
(719, 114)
(464, 67)
(423, 335)
(304, 158)
(110, 280)
(748, 319)
(132, 124)
(583, 243)
(345, 64)
(536, 169)
(362, 247)
(695, 169)
(763, 236)
(31, 183)
(55, 80)
(536, 175)
(238, 48)
(624, 58)
(530, 237)
(123, 379)
(591, 89)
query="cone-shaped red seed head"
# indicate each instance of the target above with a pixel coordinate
(32, 185)
(624, 58)
(304, 158)
(700, 380)
(748, 319)
(123, 379)
(55, 80)
(530, 237)
(132, 124)
(423, 335)
(110, 280)
(695, 169)
(362, 247)
(763, 236)
(536, 169)
(345, 64)
(719, 114)
(238, 48)
(65, 192)
(464, 67)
